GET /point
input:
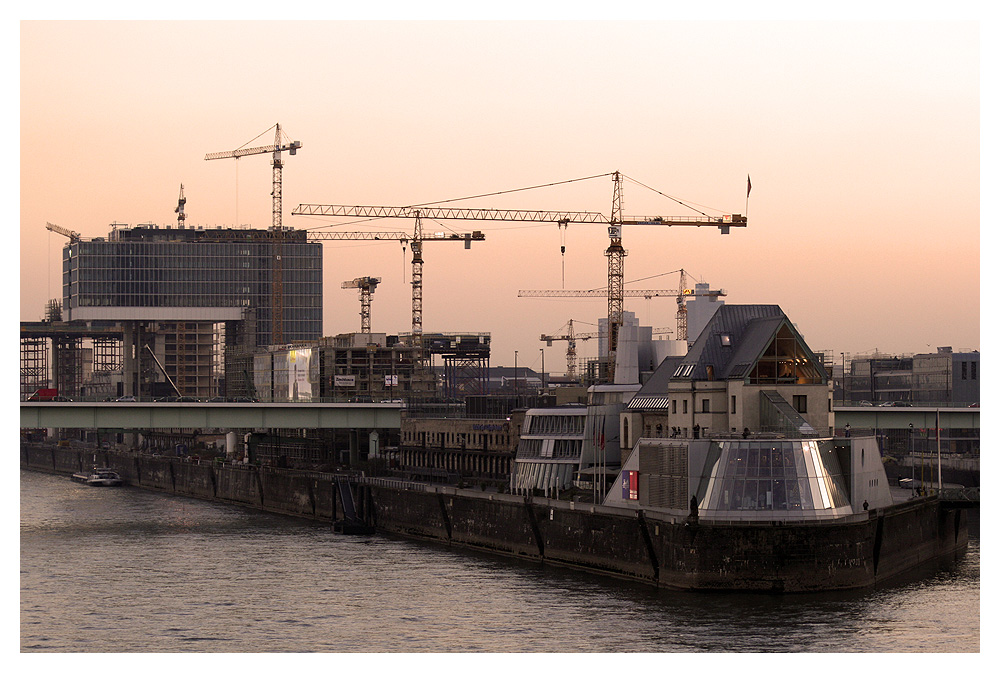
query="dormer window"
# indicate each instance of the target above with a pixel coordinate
(684, 371)
(785, 361)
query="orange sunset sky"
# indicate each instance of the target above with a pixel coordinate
(862, 140)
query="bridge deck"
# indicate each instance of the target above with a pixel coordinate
(148, 415)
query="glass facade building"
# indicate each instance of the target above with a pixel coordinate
(550, 449)
(768, 477)
(186, 273)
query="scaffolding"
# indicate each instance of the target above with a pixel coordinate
(68, 365)
(465, 375)
(34, 365)
(108, 362)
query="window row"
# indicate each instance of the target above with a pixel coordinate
(777, 494)
(555, 424)
(550, 448)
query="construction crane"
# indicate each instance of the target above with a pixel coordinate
(616, 257)
(682, 294)
(277, 289)
(71, 235)
(180, 207)
(367, 285)
(571, 338)
(615, 252)
(418, 214)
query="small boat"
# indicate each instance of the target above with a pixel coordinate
(99, 476)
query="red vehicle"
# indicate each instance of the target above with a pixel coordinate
(44, 395)
(48, 395)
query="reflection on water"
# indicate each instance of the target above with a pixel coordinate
(126, 570)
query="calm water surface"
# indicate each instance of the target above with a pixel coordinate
(127, 570)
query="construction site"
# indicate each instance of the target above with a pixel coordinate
(185, 320)
(178, 312)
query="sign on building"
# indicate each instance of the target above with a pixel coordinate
(630, 485)
(299, 385)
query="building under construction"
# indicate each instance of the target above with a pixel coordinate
(172, 307)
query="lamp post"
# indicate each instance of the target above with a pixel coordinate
(843, 379)
(545, 388)
(515, 373)
(937, 423)
(913, 465)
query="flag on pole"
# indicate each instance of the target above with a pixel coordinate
(748, 184)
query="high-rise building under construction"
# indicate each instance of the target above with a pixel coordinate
(149, 273)
(167, 287)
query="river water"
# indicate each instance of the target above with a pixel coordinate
(128, 570)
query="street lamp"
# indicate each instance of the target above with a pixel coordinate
(843, 379)
(515, 372)
(913, 465)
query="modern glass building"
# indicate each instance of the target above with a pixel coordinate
(755, 479)
(150, 273)
(782, 477)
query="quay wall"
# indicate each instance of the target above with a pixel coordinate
(656, 548)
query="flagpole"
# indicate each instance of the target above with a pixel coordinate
(746, 209)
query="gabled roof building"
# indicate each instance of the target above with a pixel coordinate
(742, 428)
(749, 368)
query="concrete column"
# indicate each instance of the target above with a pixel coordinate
(352, 437)
(130, 363)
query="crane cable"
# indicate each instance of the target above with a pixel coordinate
(508, 191)
(678, 201)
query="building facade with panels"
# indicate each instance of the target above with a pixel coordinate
(149, 273)
(945, 378)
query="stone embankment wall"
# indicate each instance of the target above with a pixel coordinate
(299, 494)
(670, 551)
(676, 551)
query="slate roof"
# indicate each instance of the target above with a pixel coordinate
(657, 383)
(750, 328)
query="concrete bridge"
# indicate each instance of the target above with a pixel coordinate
(195, 415)
(901, 418)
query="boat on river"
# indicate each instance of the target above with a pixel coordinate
(99, 476)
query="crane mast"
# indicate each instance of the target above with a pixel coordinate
(419, 237)
(616, 274)
(367, 285)
(682, 295)
(181, 216)
(615, 252)
(616, 259)
(277, 233)
(571, 338)
(682, 311)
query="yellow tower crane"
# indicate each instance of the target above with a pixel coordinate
(416, 241)
(616, 256)
(277, 233)
(615, 252)
(571, 338)
(71, 235)
(682, 294)
(367, 285)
